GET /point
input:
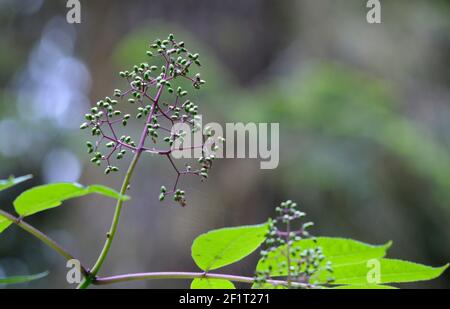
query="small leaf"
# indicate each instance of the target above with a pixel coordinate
(22, 279)
(391, 271)
(206, 283)
(4, 223)
(336, 250)
(49, 196)
(11, 181)
(103, 190)
(225, 246)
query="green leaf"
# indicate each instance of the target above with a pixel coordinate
(22, 279)
(206, 283)
(225, 246)
(390, 271)
(103, 190)
(11, 181)
(49, 196)
(338, 251)
(4, 223)
(365, 287)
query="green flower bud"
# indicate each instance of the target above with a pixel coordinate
(307, 225)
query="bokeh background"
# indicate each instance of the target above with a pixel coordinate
(364, 113)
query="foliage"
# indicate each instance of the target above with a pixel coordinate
(290, 257)
(12, 181)
(222, 247)
(45, 197)
(22, 279)
(302, 261)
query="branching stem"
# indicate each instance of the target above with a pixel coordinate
(126, 182)
(187, 275)
(113, 229)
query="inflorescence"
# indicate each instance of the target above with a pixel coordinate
(284, 255)
(160, 104)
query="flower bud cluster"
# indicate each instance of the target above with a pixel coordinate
(284, 254)
(149, 87)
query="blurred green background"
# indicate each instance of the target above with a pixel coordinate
(364, 113)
